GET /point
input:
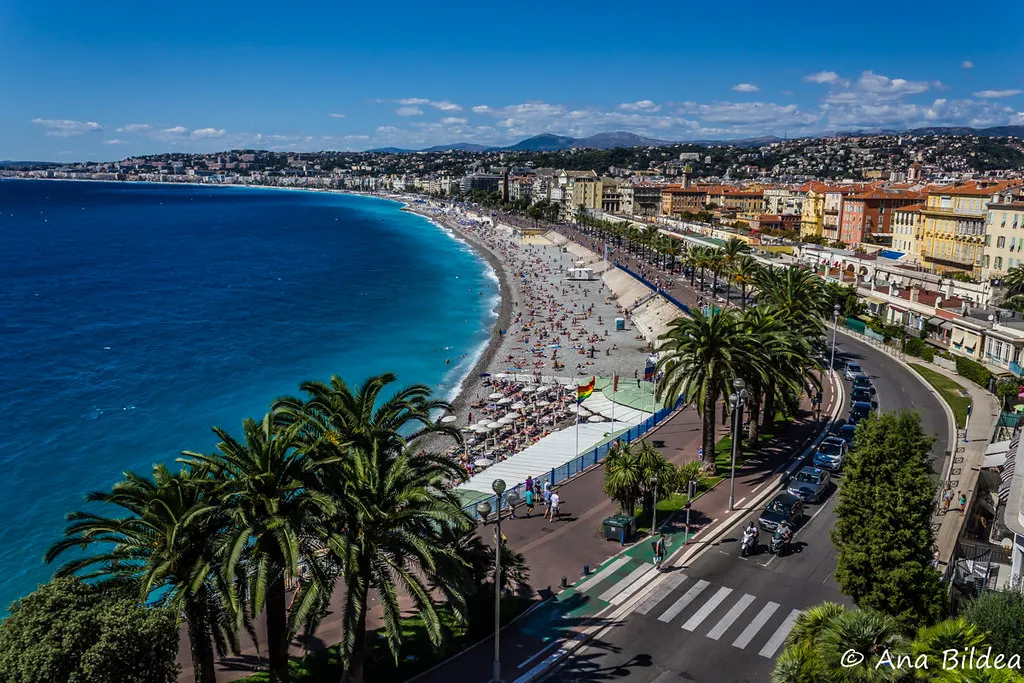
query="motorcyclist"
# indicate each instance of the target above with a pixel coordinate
(785, 532)
(750, 531)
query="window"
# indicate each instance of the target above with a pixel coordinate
(999, 262)
(1001, 242)
(999, 349)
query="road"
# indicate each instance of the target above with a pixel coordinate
(723, 618)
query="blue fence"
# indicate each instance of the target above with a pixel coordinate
(671, 299)
(581, 462)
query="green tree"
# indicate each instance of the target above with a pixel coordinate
(628, 471)
(999, 615)
(883, 530)
(167, 544)
(744, 273)
(733, 250)
(700, 357)
(73, 632)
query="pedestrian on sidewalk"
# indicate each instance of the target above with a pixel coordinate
(547, 496)
(529, 502)
(659, 551)
(947, 498)
(528, 484)
(963, 502)
(553, 506)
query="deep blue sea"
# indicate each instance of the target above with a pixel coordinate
(133, 317)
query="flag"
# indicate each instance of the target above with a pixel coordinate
(615, 384)
(586, 390)
(649, 371)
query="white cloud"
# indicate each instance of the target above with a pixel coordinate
(747, 113)
(114, 141)
(414, 100)
(641, 105)
(335, 115)
(1017, 119)
(441, 105)
(63, 128)
(409, 111)
(355, 138)
(888, 88)
(967, 64)
(825, 77)
(996, 94)
(451, 120)
(746, 87)
(134, 128)
(481, 109)
(176, 130)
(201, 133)
(445, 105)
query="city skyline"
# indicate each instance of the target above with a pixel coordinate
(108, 82)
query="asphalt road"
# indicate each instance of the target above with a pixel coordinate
(723, 618)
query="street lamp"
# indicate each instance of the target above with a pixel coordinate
(484, 509)
(737, 400)
(835, 326)
(654, 505)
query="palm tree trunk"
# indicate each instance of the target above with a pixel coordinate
(708, 433)
(277, 628)
(768, 418)
(753, 426)
(355, 671)
(743, 295)
(203, 665)
(693, 274)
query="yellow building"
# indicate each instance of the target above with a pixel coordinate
(953, 235)
(1004, 237)
(584, 190)
(906, 224)
(813, 216)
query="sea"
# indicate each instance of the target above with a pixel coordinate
(134, 317)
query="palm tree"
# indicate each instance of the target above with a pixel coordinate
(167, 543)
(700, 357)
(650, 235)
(672, 248)
(732, 251)
(691, 259)
(1014, 281)
(267, 488)
(622, 477)
(744, 272)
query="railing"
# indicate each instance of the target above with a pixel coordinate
(650, 285)
(580, 462)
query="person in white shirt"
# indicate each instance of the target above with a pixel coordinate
(553, 507)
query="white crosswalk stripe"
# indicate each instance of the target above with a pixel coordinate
(706, 609)
(642, 581)
(682, 602)
(779, 636)
(756, 625)
(661, 592)
(730, 617)
(625, 583)
(597, 578)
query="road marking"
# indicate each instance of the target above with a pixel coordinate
(756, 625)
(800, 530)
(661, 592)
(779, 636)
(682, 602)
(642, 581)
(622, 584)
(707, 608)
(731, 616)
(754, 490)
(600, 575)
(738, 503)
(539, 653)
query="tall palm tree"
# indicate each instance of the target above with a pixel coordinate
(267, 488)
(700, 357)
(744, 272)
(672, 248)
(167, 544)
(732, 251)
(651, 234)
(1014, 281)
(691, 258)
(778, 362)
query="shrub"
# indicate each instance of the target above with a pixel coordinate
(976, 372)
(917, 347)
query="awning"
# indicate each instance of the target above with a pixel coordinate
(993, 461)
(935, 321)
(970, 340)
(946, 325)
(1006, 476)
(958, 336)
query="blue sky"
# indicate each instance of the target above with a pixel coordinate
(111, 79)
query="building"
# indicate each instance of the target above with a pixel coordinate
(584, 190)
(1004, 238)
(781, 201)
(832, 210)
(487, 182)
(867, 215)
(812, 213)
(611, 197)
(906, 223)
(677, 200)
(953, 235)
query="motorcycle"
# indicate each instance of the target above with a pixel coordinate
(748, 545)
(780, 541)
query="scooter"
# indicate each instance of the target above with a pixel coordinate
(748, 546)
(780, 541)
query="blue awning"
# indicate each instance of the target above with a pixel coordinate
(894, 255)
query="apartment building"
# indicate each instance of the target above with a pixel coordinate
(1004, 237)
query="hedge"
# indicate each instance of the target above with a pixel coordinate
(916, 347)
(976, 372)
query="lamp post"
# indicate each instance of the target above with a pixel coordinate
(484, 509)
(737, 400)
(835, 326)
(654, 505)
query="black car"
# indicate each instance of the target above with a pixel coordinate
(860, 396)
(859, 411)
(810, 484)
(785, 507)
(863, 382)
(846, 433)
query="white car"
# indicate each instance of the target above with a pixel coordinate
(853, 370)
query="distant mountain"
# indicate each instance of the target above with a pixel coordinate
(991, 132)
(741, 142)
(458, 147)
(618, 139)
(545, 142)
(5, 163)
(391, 150)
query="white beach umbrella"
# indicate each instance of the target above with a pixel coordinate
(595, 418)
(511, 416)
(483, 462)
(504, 421)
(483, 422)
(481, 429)
(529, 390)
(449, 418)
(504, 401)
(542, 404)
(494, 425)
(519, 405)
(541, 390)
(495, 396)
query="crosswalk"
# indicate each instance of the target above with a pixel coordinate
(719, 613)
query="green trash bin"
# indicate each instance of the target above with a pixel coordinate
(619, 528)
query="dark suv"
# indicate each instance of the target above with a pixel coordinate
(860, 396)
(785, 507)
(862, 382)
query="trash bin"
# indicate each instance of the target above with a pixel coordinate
(619, 528)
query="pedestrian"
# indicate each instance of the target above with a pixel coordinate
(947, 498)
(529, 502)
(547, 496)
(659, 551)
(636, 376)
(963, 502)
(553, 507)
(935, 556)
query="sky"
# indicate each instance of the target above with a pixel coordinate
(108, 80)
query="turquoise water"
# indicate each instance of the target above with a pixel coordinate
(135, 317)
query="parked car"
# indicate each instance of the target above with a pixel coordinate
(810, 484)
(852, 370)
(860, 396)
(831, 453)
(784, 507)
(846, 434)
(863, 382)
(859, 411)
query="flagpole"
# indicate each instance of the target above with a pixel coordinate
(615, 388)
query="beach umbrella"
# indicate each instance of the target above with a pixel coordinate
(480, 429)
(529, 390)
(595, 418)
(483, 422)
(504, 401)
(541, 390)
(449, 418)
(519, 405)
(485, 374)
(483, 462)
(511, 416)
(541, 404)
(504, 421)
(495, 396)
(494, 425)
